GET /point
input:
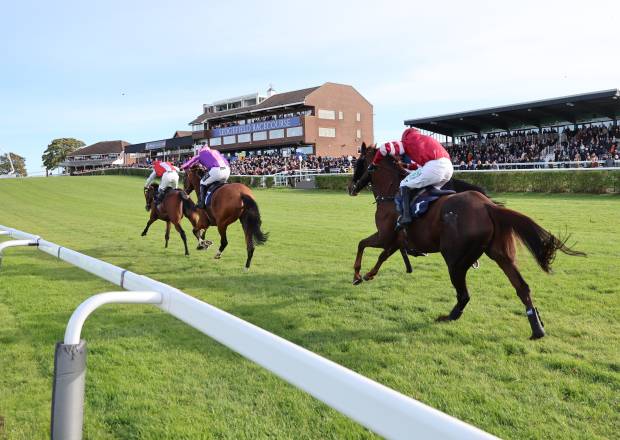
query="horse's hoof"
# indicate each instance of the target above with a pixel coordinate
(357, 281)
(217, 256)
(143, 234)
(246, 269)
(537, 335)
(443, 318)
(368, 277)
(476, 265)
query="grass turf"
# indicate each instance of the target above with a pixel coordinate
(151, 376)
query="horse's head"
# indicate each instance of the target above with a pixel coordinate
(361, 176)
(387, 175)
(149, 194)
(191, 182)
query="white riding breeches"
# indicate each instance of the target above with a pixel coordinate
(433, 173)
(170, 179)
(216, 174)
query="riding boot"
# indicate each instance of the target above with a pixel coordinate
(405, 218)
(201, 197)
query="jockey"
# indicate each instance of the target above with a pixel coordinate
(218, 170)
(429, 159)
(168, 174)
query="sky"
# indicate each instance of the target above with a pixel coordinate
(140, 70)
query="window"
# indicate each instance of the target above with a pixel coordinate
(260, 136)
(215, 141)
(294, 131)
(358, 117)
(358, 135)
(244, 137)
(340, 115)
(327, 114)
(327, 132)
(230, 140)
(276, 134)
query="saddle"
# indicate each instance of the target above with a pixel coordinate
(421, 204)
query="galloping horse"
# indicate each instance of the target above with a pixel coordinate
(171, 210)
(385, 238)
(231, 202)
(462, 227)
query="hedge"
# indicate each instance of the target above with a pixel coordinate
(578, 181)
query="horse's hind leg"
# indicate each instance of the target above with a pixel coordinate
(183, 237)
(523, 291)
(167, 236)
(387, 253)
(458, 265)
(249, 244)
(223, 241)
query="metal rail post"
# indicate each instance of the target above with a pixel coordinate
(70, 363)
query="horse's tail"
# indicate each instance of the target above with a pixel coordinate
(251, 221)
(541, 243)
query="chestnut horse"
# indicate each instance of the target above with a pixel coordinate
(171, 210)
(231, 202)
(462, 227)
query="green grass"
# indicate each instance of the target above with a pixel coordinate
(152, 377)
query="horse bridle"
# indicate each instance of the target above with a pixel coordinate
(367, 177)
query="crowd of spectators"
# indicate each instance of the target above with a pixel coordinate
(272, 164)
(592, 143)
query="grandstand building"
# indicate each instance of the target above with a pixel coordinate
(329, 120)
(587, 108)
(103, 154)
(175, 149)
(571, 131)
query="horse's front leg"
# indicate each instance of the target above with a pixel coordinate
(152, 220)
(371, 241)
(387, 253)
(408, 267)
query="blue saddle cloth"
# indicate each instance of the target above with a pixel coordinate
(420, 205)
(210, 191)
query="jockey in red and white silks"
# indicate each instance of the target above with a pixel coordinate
(430, 163)
(168, 174)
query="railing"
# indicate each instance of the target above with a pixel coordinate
(547, 166)
(380, 409)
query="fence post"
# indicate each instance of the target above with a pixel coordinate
(68, 391)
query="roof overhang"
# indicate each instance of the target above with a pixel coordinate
(574, 109)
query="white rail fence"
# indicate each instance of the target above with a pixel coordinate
(378, 408)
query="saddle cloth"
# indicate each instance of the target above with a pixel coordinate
(420, 205)
(211, 190)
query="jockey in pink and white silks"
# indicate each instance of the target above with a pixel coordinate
(168, 174)
(218, 170)
(429, 159)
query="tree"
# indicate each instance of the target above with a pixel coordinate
(57, 151)
(19, 163)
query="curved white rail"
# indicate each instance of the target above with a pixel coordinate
(373, 405)
(74, 327)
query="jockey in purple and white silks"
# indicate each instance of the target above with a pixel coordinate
(218, 170)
